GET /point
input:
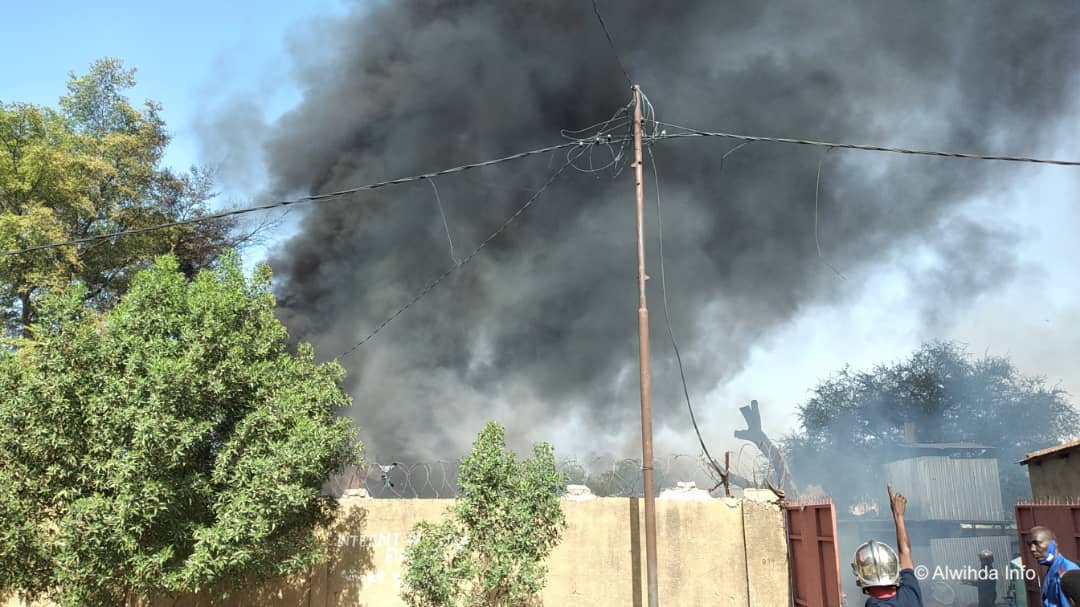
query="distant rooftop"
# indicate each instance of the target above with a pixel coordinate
(1061, 450)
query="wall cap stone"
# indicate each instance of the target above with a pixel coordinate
(685, 491)
(578, 493)
(766, 496)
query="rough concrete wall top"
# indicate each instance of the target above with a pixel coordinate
(702, 556)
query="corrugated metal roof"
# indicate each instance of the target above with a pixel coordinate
(1055, 450)
(946, 446)
(948, 489)
(958, 554)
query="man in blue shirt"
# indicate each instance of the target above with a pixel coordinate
(887, 579)
(1043, 546)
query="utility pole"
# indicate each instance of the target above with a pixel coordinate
(646, 379)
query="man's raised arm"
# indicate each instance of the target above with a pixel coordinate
(903, 544)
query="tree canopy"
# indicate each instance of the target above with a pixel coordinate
(854, 419)
(171, 444)
(89, 167)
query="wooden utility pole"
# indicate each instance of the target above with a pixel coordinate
(646, 379)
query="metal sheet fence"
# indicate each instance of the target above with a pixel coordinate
(959, 558)
(605, 476)
(949, 489)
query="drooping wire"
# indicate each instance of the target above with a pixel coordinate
(446, 226)
(285, 203)
(611, 43)
(667, 315)
(592, 129)
(603, 134)
(649, 119)
(577, 148)
(430, 286)
(730, 152)
(817, 193)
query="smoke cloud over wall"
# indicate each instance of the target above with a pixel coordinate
(539, 330)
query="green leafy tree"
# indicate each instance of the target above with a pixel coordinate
(854, 420)
(92, 166)
(491, 549)
(170, 445)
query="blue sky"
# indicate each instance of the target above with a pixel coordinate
(194, 55)
(187, 53)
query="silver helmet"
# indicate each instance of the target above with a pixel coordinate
(876, 564)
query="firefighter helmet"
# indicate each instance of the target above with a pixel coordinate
(876, 564)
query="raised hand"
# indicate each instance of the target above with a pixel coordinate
(897, 501)
(903, 543)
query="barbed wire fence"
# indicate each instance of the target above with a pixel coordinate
(605, 476)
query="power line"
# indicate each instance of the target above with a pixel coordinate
(853, 146)
(295, 201)
(581, 143)
(430, 286)
(579, 146)
(611, 43)
(667, 315)
(604, 134)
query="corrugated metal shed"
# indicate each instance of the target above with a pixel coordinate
(958, 554)
(948, 489)
(969, 447)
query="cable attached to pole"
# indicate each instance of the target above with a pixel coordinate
(643, 351)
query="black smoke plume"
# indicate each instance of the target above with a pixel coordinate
(539, 330)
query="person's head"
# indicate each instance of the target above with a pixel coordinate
(1070, 585)
(986, 558)
(876, 567)
(1039, 539)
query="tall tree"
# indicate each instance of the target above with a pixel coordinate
(172, 444)
(855, 419)
(92, 166)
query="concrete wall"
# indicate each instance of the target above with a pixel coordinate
(1056, 476)
(702, 554)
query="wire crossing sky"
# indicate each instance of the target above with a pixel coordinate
(576, 144)
(334, 95)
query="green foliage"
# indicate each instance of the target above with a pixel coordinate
(92, 167)
(855, 419)
(173, 444)
(490, 550)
